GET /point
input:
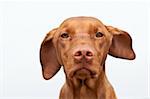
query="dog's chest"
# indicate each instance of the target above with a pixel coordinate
(85, 93)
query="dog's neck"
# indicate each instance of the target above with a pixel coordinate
(88, 89)
(97, 88)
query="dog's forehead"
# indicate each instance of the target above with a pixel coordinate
(81, 21)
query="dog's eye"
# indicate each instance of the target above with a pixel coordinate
(99, 34)
(65, 35)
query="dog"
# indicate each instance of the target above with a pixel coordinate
(81, 45)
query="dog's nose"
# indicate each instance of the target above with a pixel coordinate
(83, 53)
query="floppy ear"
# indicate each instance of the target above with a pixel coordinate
(48, 57)
(121, 46)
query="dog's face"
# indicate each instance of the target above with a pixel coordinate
(81, 45)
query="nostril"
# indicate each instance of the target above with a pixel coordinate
(88, 53)
(78, 53)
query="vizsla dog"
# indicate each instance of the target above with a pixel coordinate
(81, 45)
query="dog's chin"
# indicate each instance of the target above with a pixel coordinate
(84, 74)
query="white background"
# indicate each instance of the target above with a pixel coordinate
(23, 25)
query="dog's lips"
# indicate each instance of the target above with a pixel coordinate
(84, 73)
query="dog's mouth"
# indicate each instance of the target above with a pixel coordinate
(84, 73)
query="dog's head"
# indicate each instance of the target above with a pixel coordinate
(81, 45)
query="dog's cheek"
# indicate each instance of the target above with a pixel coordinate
(101, 46)
(64, 51)
(61, 47)
(62, 44)
(97, 64)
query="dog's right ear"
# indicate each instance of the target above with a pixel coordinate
(48, 56)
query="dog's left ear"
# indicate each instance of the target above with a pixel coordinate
(121, 46)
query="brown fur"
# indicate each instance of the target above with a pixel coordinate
(82, 55)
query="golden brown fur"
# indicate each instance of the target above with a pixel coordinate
(81, 45)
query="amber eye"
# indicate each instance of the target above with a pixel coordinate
(65, 35)
(99, 34)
